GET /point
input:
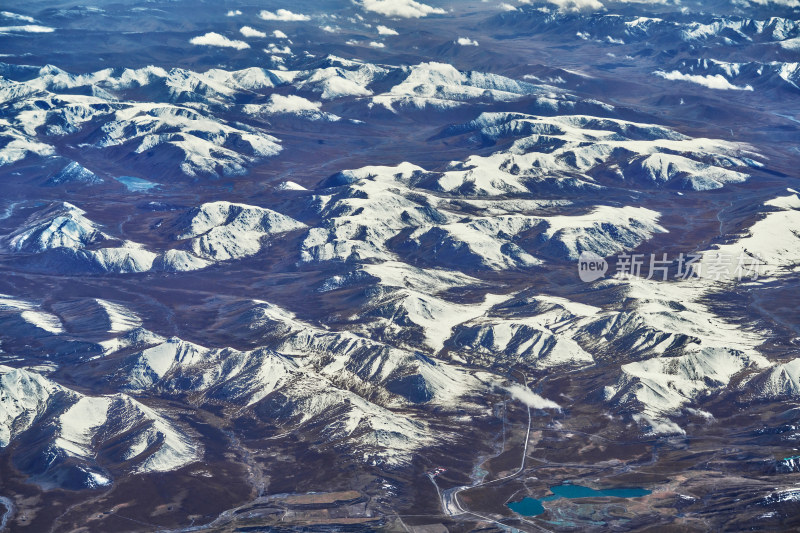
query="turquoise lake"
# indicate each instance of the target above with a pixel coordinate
(533, 506)
(136, 184)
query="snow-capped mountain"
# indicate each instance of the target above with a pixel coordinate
(70, 429)
(569, 147)
(205, 144)
(95, 315)
(21, 317)
(177, 115)
(781, 381)
(299, 370)
(60, 233)
(222, 230)
(25, 398)
(619, 29)
(376, 204)
(663, 385)
(301, 373)
(768, 247)
(365, 209)
(440, 85)
(536, 333)
(74, 172)
(690, 350)
(59, 226)
(215, 231)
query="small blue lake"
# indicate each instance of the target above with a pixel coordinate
(533, 507)
(527, 507)
(134, 184)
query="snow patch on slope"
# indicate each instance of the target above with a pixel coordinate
(32, 314)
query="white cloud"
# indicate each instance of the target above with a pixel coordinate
(329, 29)
(658, 427)
(530, 398)
(466, 41)
(278, 34)
(290, 104)
(787, 3)
(29, 28)
(578, 5)
(283, 15)
(233, 13)
(383, 30)
(597, 5)
(16, 16)
(401, 8)
(275, 49)
(716, 81)
(374, 44)
(247, 31)
(215, 39)
(507, 7)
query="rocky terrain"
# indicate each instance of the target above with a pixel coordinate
(319, 267)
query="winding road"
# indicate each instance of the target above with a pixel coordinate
(453, 507)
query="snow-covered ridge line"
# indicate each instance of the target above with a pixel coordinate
(365, 209)
(215, 231)
(153, 110)
(333, 78)
(768, 249)
(625, 29)
(651, 153)
(690, 352)
(319, 376)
